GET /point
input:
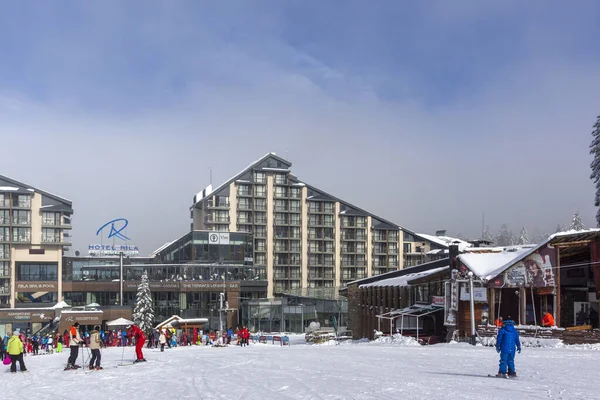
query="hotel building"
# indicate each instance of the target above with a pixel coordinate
(307, 240)
(34, 230)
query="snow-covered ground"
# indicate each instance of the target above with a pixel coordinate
(347, 371)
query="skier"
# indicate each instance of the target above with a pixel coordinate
(74, 340)
(506, 342)
(162, 340)
(15, 350)
(36, 345)
(548, 319)
(59, 345)
(136, 332)
(95, 342)
(49, 344)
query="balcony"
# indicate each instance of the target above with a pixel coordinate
(212, 219)
(5, 256)
(55, 239)
(260, 221)
(244, 193)
(244, 207)
(5, 221)
(21, 221)
(23, 205)
(21, 239)
(5, 203)
(218, 206)
(260, 193)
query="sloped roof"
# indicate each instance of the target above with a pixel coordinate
(404, 280)
(445, 241)
(23, 187)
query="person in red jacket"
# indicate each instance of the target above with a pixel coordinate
(140, 338)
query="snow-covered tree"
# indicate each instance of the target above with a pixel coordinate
(487, 235)
(576, 223)
(505, 237)
(143, 313)
(559, 228)
(595, 165)
(523, 237)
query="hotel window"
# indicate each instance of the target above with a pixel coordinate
(392, 236)
(260, 177)
(51, 218)
(21, 234)
(260, 191)
(296, 193)
(295, 232)
(4, 251)
(4, 234)
(329, 247)
(295, 219)
(244, 204)
(361, 234)
(50, 235)
(5, 217)
(260, 218)
(329, 208)
(361, 222)
(260, 259)
(328, 233)
(280, 179)
(393, 248)
(314, 220)
(280, 191)
(37, 272)
(408, 237)
(21, 217)
(407, 247)
(280, 205)
(260, 204)
(260, 231)
(295, 205)
(244, 217)
(22, 200)
(360, 248)
(4, 200)
(295, 246)
(329, 221)
(4, 268)
(260, 244)
(244, 190)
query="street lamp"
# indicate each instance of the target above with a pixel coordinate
(302, 325)
(473, 334)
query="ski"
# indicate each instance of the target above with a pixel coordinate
(501, 376)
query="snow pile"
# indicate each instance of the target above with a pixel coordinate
(397, 339)
(525, 342)
(586, 346)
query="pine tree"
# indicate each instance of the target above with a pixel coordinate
(143, 313)
(595, 165)
(523, 237)
(487, 235)
(559, 228)
(576, 223)
(505, 237)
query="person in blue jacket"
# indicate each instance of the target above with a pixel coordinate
(506, 344)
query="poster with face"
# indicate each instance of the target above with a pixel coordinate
(535, 270)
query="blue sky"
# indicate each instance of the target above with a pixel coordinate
(498, 97)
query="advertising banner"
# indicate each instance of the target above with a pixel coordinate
(536, 270)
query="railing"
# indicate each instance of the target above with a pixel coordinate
(21, 239)
(21, 221)
(5, 203)
(51, 239)
(51, 222)
(245, 193)
(215, 220)
(24, 204)
(4, 256)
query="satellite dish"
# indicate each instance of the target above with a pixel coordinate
(77, 253)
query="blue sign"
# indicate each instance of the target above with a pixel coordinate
(114, 232)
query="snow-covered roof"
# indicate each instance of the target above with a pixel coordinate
(8, 189)
(161, 248)
(445, 241)
(404, 279)
(60, 304)
(489, 265)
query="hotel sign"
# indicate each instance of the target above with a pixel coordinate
(188, 286)
(218, 238)
(29, 316)
(36, 286)
(115, 229)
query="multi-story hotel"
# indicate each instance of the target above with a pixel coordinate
(304, 238)
(34, 230)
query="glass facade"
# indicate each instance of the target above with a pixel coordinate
(37, 272)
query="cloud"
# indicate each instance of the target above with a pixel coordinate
(419, 121)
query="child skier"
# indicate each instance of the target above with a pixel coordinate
(507, 341)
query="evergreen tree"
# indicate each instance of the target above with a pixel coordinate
(143, 313)
(595, 165)
(576, 223)
(523, 237)
(487, 235)
(505, 237)
(559, 228)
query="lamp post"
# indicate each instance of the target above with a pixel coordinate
(473, 333)
(302, 323)
(121, 279)
(221, 297)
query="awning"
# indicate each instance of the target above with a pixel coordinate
(416, 310)
(119, 322)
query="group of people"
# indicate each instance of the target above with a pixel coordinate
(14, 346)
(547, 321)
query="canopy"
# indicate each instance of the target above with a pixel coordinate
(119, 322)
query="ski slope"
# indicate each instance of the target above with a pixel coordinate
(348, 371)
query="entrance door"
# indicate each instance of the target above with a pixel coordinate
(507, 304)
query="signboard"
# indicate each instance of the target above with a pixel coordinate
(536, 270)
(68, 318)
(26, 286)
(218, 238)
(113, 230)
(479, 294)
(438, 300)
(187, 286)
(26, 315)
